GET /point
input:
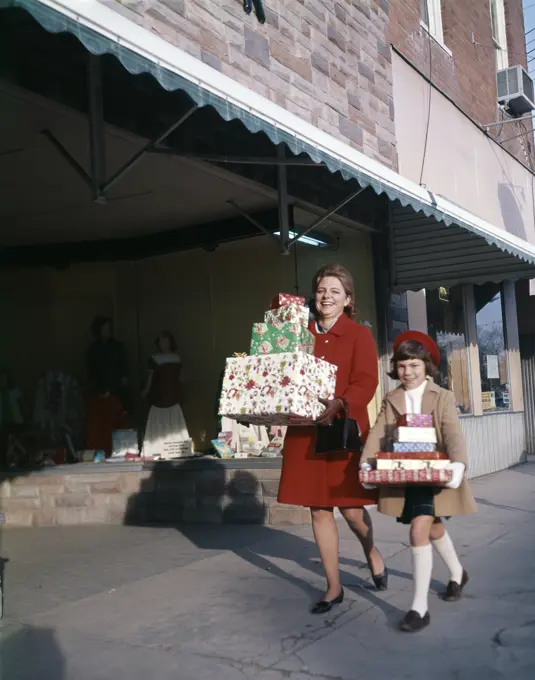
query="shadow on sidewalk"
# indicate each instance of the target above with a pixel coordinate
(31, 653)
(499, 506)
(210, 521)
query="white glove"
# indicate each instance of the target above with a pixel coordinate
(457, 470)
(366, 467)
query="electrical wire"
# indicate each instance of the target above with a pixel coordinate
(497, 135)
(426, 139)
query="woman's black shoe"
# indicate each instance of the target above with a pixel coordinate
(324, 606)
(413, 622)
(381, 580)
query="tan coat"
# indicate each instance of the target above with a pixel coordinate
(440, 404)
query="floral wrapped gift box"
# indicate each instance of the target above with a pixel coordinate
(288, 314)
(276, 389)
(287, 337)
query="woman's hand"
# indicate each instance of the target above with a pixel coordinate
(332, 409)
(367, 467)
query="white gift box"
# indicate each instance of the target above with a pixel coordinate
(411, 464)
(426, 435)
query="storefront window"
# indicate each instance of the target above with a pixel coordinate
(399, 317)
(490, 319)
(446, 325)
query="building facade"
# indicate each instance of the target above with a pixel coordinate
(454, 138)
(168, 159)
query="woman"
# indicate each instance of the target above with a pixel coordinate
(166, 427)
(414, 363)
(324, 482)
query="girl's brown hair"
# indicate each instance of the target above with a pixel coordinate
(338, 272)
(410, 349)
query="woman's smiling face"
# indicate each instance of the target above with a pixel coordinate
(331, 299)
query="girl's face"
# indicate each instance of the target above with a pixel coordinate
(331, 298)
(412, 373)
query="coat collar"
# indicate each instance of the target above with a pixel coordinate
(339, 328)
(397, 398)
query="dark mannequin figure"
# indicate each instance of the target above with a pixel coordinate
(106, 360)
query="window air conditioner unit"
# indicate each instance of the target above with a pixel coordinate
(515, 90)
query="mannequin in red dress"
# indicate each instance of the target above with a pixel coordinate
(323, 482)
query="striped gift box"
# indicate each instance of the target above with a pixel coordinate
(412, 455)
(404, 477)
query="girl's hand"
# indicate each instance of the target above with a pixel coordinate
(332, 409)
(457, 470)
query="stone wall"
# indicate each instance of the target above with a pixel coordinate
(328, 62)
(210, 493)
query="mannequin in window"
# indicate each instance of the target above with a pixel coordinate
(11, 413)
(165, 424)
(106, 360)
(105, 415)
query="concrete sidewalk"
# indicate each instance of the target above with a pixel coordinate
(230, 603)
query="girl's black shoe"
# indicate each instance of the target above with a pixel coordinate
(454, 590)
(413, 622)
(324, 606)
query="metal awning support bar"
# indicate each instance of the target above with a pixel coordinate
(252, 220)
(97, 144)
(325, 217)
(139, 155)
(282, 187)
(97, 147)
(67, 156)
(238, 160)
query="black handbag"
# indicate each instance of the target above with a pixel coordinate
(342, 435)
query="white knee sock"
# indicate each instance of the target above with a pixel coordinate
(422, 566)
(445, 548)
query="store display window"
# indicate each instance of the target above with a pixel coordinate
(447, 326)
(491, 339)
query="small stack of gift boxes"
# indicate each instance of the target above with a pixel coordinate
(413, 459)
(281, 381)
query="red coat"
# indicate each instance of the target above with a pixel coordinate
(331, 480)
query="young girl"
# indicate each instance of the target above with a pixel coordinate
(414, 363)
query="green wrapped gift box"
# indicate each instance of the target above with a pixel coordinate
(267, 338)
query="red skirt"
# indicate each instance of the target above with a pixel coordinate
(321, 481)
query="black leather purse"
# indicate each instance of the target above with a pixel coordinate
(342, 435)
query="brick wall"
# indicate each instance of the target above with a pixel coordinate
(464, 72)
(327, 61)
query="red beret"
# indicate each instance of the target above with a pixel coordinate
(425, 340)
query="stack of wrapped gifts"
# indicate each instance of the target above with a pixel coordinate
(281, 381)
(413, 459)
